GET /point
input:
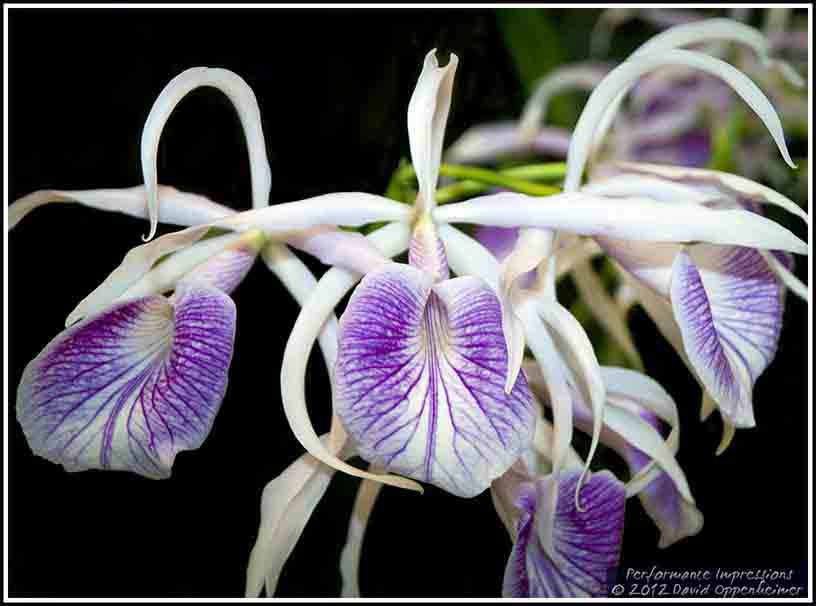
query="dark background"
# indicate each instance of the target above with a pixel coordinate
(333, 88)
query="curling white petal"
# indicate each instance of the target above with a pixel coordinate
(241, 96)
(623, 77)
(582, 76)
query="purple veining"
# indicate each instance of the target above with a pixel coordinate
(585, 544)
(131, 387)
(728, 305)
(420, 380)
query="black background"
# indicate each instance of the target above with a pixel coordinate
(333, 87)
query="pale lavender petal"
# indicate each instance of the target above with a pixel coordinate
(728, 305)
(586, 544)
(226, 270)
(420, 380)
(131, 387)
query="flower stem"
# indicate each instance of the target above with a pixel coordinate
(476, 180)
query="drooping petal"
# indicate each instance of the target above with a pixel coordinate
(335, 247)
(287, 504)
(427, 117)
(581, 76)
(279, 221)
(595, 115)
(131, 387)
(628, 218)
(606, 310)
(623, 425)
(300, 282)
(586, 543)
(420, 380)
(364, 502)
(674, 516)
(177, 207)
(727, 303)
(246, 105)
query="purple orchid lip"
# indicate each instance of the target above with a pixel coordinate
(129, 388)
(728, 305)
(420, 380)
(584, 545)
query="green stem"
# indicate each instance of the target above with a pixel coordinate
(475, 180)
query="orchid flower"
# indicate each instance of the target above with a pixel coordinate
(559, 549)
(726, 300)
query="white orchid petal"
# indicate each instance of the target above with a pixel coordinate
(364, 502)
(695, 33)
(643, 186)
(582, 76)
(627, 218)
(300, 282)
(605, 309)
(331, 288)
(279, 221)
(544, 350)
(164, 276)
(287, 503)
(177, 207)
(643, 436)
(241, 96)
(729, 184)
(427, 117)
(643, 390)
(623, 77)
(580, 356)
(786, 276)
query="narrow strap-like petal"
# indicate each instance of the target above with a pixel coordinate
(241, 96)
(287, 504)
(605, 309)
(367, 494)
(623, 77)
(131, 387)
(627, 218)
(177, 207)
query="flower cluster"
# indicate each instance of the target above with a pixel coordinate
(431, 381)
